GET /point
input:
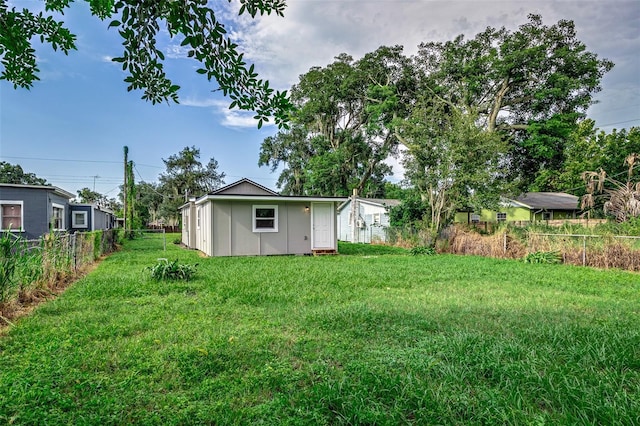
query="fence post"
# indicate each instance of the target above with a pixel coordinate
(504, 244)
(74, 251)
(584, 250)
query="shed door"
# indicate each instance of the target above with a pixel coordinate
(322, 223)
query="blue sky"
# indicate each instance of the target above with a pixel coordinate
(71, 127)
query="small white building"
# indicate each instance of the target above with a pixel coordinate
(247, 219)
(370, 222)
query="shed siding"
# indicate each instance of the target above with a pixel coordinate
(299, 228)
(222, 228)
(232, 229)
(243, 241)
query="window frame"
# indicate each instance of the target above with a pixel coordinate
(378, 221)
(254, 219)
(475, 218)
(74, 223)
(55, 206)
(547, 215)
(501, 217)
(12, 203)
(198, 216)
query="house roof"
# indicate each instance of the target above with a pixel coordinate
(59, 191)
(548, 201)
(238, 191)
(381, 202)
(229, 189)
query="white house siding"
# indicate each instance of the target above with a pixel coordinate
(369, 231)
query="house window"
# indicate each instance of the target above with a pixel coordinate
(475, 218)
(79, 220)
(265, 218)
(198, 215)
(376, 218)
(350, 217)
(57, 219)
(501, 217)
(11, 215)
(546, 215)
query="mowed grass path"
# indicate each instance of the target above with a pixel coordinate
(349, 339)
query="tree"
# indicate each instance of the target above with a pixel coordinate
(193, 22)
(531, 86)
(589, 149)
(148, 201)
(450, 160)
(86, 195)
(342, 129)
(185, 176)
(10, 173)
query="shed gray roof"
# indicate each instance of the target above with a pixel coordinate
(549, 200)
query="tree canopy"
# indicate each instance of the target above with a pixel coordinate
(185, 177)
(13, 173)
(342, 130)
(532, 86)
(193, 22)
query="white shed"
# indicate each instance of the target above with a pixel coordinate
(245, 218)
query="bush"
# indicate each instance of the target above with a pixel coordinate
(8, 262)
(542, 257)
(423, 250)
(165, 270)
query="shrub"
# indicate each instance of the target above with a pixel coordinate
(542, 257)
(8, 262)
(165, 270)
(423, 250)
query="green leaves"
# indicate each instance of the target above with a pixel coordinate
(164, 270)
(138, 24)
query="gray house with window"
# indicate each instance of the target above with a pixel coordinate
(30, 211)
(245, 219)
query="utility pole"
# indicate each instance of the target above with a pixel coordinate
(124, 197)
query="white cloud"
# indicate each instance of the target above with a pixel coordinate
(233, 118)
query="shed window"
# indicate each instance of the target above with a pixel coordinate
(265, 218)
(198, 216)
(11, 215)
(57, 219)
(546, 215)
(501, 217)
(475, 218)
(79, 220)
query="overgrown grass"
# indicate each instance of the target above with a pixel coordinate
(348, 339)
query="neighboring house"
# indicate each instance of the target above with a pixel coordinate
(90, 217)
(528, 207)
(30, 211)
(371, 219)
(247, 219)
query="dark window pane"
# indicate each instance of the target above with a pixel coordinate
(265, 223)
(266, 213)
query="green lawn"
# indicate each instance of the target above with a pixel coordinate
(365, 338)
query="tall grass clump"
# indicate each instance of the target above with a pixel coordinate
(8, 261)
